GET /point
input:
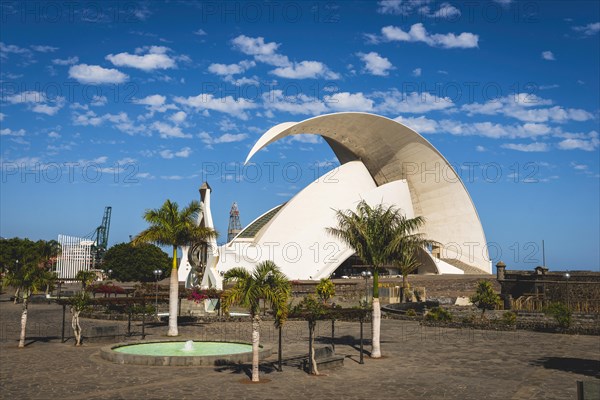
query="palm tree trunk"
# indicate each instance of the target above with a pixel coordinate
(76, 327)
(16, 296)
(23, 320)
(173, 297)
(255, 347)
(404, 288)
(313, 363)
(376, 320)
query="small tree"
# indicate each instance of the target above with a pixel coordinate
(29, 278)
(170, 226)
(485, 298)
(560, 313)
(78, 303)
(266, 283)
(312, 310)
(130, 263)
(86, 278)
(325, 290)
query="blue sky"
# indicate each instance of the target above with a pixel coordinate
(127, 104)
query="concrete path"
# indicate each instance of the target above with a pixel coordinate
(418, 363)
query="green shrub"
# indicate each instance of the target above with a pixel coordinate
(411, 312)
(485, 298)
(560, 313)
(438, 314)
(509, 318)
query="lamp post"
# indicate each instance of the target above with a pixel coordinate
(157, 274)
(567, 276)
(109, 273)
(366, 275)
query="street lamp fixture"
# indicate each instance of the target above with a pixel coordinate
(567, 275)
(366, 275)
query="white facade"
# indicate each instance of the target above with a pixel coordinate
(382, 161)
(76, 255)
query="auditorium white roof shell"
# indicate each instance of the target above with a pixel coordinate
(381, 160)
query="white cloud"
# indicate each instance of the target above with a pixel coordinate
(54, 135)
(494, 130)
(298, 104)
(418, 33)
(419, 124)
(226, 104)
(99, 101)
(531, 147)
(66, 61)
(200, 32)
(306, 138)
(480, 149)
(446, 11)
(548, 55)
(225, 138)
(10, 132)
(155, 102)
(579, 167)
(345, 101)
(155, 58)
(267, 53)
(2, 115)
(589, 29)
(167, 131)
(183, 153)
(178, 117)
(522, 107)
(589, 144)
(44, 49)
(396, 102)
(119, 121)
(376, 64)
(6, 49)
(254, 46)
(37, 102)
(304, 70)
(231, 69)
(95, 74)
(400, 7)
(417, 72)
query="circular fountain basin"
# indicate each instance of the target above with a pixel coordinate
(178, 353)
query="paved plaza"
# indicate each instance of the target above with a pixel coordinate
(419, 363)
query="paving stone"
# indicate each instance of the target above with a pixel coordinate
(419, 363)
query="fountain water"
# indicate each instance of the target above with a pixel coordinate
(180, 353)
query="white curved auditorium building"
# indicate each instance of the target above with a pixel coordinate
(381, 160)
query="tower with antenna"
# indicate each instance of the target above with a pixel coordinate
(235, 226)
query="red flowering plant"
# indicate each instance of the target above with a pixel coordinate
(198, 295)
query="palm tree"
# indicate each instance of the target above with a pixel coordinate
(375, 235)
(86, 278)
(403, 249)
(266, 283)
(28, 278)
(170, 226)
(49, 252)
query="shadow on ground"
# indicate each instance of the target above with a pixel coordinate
(580, 366)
